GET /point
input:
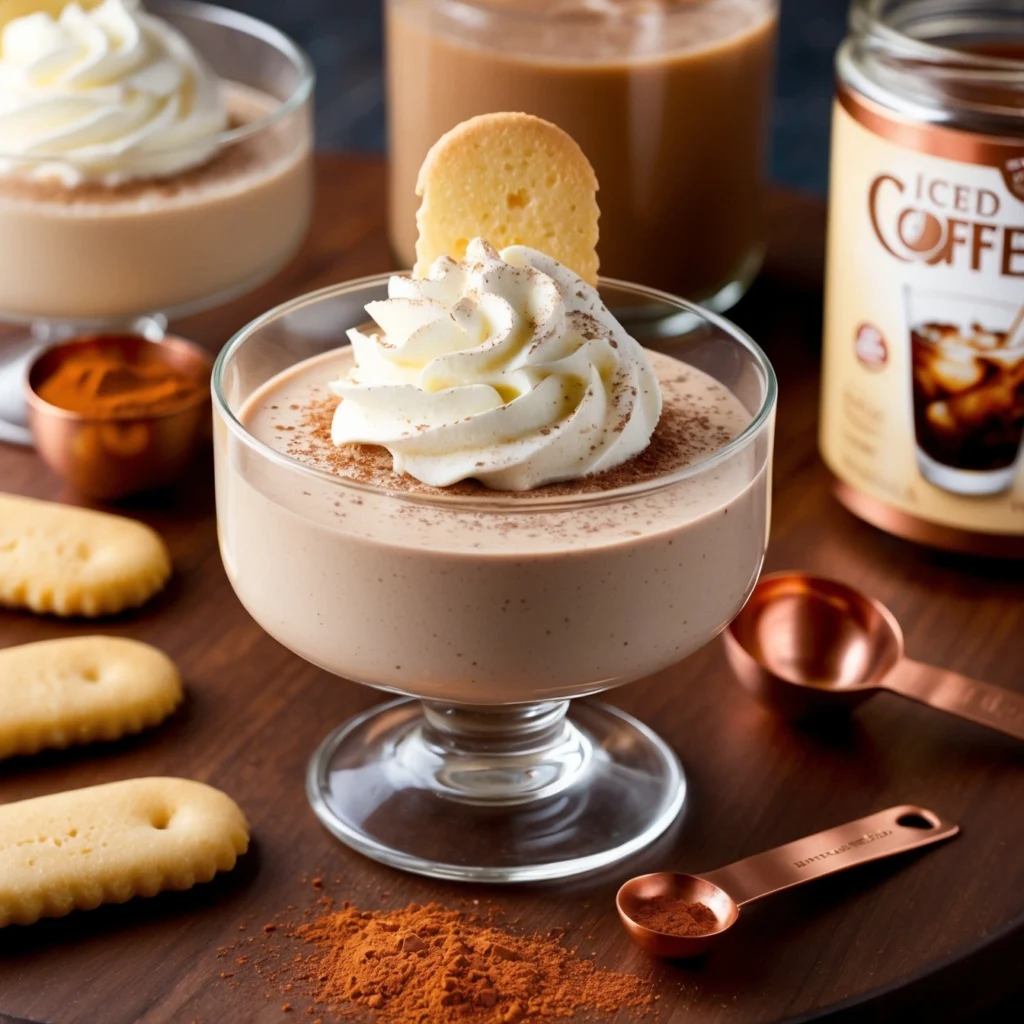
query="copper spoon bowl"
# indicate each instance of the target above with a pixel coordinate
(726, 890)
(805, 644)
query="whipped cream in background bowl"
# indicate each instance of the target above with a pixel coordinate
(107, 94)
(155, 160)
(605, 536)
(113, 91)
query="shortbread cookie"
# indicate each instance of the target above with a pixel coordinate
(106, 844)
(73, 561)
(59, 692)
(511, 179)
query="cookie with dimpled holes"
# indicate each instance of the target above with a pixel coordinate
(74, 561)
(108, 844)
(57, 693)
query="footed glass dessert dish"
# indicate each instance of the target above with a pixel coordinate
(489, 611)
(113, 220)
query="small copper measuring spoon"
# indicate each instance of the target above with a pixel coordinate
(726, 890)
(807, 643)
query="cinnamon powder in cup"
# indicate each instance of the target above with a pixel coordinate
(100, 383)
(431, 965)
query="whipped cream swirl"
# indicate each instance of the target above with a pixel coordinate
(503, 368)
(106, 94)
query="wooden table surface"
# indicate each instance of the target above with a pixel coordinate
(940, 930)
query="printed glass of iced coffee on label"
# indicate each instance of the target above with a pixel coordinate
(923, 392)
(486, 494)
(669, 99)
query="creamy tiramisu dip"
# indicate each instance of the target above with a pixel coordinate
(129, 182)
(510, 499)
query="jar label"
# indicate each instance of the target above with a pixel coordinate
(923, 379)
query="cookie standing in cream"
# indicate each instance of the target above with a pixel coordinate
(483, 596)
(128, 183)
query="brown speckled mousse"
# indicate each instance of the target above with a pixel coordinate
(490, 597)
(113, 252)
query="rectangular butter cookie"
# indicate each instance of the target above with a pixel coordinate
(56, 693)
(74, 561)
(106, 844)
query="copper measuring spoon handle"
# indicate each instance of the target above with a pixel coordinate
(966, 698)
(836, 849)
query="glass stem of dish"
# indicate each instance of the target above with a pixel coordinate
(497, 756)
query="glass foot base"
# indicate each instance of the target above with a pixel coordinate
(495, 795)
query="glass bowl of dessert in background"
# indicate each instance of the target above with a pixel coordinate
(967, 376)
(670, 102)
(178, 176)
(491, 609)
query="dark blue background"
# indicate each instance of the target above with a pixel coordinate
(344, 39)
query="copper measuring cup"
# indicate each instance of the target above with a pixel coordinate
(807, 643)
(111, 458)
(726, 890)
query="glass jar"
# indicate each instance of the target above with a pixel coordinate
(923, 389)
(669, 101)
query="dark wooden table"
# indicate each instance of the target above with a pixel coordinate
(943, 930)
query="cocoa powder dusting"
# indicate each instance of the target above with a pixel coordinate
(426, 964)
(682, 436)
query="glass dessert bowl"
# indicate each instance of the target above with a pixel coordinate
(115, 237)
(493, 609)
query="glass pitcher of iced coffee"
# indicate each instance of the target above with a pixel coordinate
(670, 100)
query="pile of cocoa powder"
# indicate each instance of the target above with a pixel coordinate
(428, 964)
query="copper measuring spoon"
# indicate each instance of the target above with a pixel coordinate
(807, 643)
(726, 890)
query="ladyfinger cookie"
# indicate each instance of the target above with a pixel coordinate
(56, 693)
(107, 844)
(74, 561)
(512, 179)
